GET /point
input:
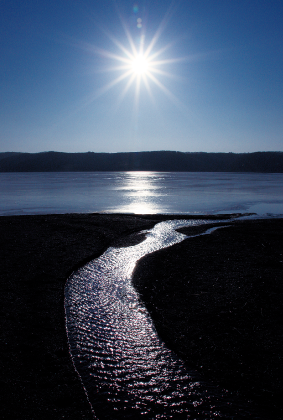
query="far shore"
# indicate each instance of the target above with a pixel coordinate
(216, 300)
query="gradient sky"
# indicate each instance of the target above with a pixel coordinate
(215, 84)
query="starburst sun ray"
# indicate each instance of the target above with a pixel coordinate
(138, 63)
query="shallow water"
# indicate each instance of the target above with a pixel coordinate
(126, 370)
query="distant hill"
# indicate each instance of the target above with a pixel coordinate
(8, 154)
(163, 161)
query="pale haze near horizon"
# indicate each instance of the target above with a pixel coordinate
(215, 86)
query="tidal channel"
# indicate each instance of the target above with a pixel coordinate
(126, 370)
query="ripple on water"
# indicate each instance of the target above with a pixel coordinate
(125, 368)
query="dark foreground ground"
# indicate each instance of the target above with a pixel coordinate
(216, 300)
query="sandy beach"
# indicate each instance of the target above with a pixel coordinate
(215, 300)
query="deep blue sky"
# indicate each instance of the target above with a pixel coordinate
(223, 93)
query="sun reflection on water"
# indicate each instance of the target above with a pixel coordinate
(127, 371)
(141, 192)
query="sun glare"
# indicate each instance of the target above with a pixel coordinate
(137, 64)
(140, 65)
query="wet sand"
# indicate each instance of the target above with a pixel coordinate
(227, 288)
(216, 300)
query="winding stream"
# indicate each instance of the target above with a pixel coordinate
(127, 372)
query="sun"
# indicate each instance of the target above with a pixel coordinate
(137, 63)
(140, 65)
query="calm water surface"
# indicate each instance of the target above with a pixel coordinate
(140, 192)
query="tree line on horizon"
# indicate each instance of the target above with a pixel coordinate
(160, 161)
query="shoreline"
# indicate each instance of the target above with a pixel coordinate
(38, 253)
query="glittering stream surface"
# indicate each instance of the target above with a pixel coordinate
(126, 370)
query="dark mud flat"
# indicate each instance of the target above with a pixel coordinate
(216, 300)
(38, 253)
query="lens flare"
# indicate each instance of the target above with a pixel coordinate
(138, 62)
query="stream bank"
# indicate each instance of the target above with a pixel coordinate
(38, 253)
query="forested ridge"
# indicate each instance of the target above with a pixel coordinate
(164, 161)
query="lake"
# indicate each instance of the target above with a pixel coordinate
(140, 193)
